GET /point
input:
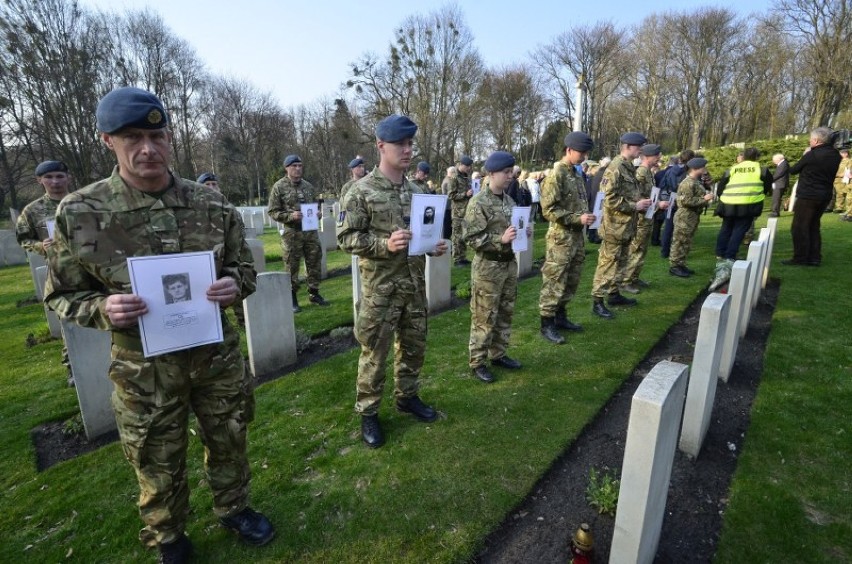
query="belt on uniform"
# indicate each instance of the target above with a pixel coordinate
(498, 257)
(127, 341)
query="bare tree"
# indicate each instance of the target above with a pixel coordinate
(513, 106)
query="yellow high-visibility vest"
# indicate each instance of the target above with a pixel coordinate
(745, 185)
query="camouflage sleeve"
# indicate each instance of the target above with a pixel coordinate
(245, 264)
(552, 206)
(71, 291)
(353, 229)
(615, 198)
(278, 209)
(458, 190)
(690, 194)
(27, 234)
(476, 232)
(446, 186)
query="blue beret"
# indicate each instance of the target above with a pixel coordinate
(50, 166)
(395, 128)
(651, 150)
(466, 161)
(633, 138)
(697, 162)
(290, 159)
(423, 166)
(207, 176)
(130, 107)
(356, 162)
(498, 160)
(579, 141)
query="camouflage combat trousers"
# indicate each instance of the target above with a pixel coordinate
(381, 317)
(152, 399)
(457, 237)
(638, 250)
(685, 226)
(843, 195)
(560, 273)
(296, 245)
(494, 287)
(612, 261)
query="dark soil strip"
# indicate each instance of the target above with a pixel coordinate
(538, 530)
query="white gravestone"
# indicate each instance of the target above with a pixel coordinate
(328, 228)
(324, 262)
(438, 281)
(257, 254)
(257, 221)
(655, 414)
(52, 319)
(270, 330)
(356, 288)
(12, 253)
(755, 257)
(765, 238)
(737, 289)
(36, 261)
(89, 355)
(704, 372)
(525, 258)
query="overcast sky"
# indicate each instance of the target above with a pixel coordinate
(300, 50)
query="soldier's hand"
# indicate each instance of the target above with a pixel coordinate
(708, 196)
(398, 241)
(469, 193)
(663, 205)
(223, 291)
(124, 310)
(47, 243)
(440, 249)
(296, 215)
(529, 231)
(509, 235)
(587, 218)
(643, 204)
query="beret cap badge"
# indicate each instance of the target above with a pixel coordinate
(154, 117)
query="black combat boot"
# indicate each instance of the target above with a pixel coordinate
(175, 552)
(483, 374)
(549, 332)
(415, 406)
(599, 309)
(296, 308)
(371, 431)
(252, 527)
(617, 299)
(562, 321)
(315, 297)
(679, 271)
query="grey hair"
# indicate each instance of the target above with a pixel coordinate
(822, 134)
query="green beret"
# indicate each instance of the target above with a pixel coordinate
(130, 107)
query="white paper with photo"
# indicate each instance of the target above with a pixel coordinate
(426, 222)
(174, 288)
(598, 211)
(672, 201)
(521, 220)
(310, 217)
(50, 224)
(655, 198)
(475, 186)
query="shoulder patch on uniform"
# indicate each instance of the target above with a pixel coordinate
(340, 217)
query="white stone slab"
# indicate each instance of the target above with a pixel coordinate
(36, 261)
(270, 330)
(52, 319)
(737, 289)
(328, 227)
(257, 220)
(438, 280)
(755, 257)
(765, 238)
(652, 432)
(324, 262)
(356, 288)
(89, 354)
(257, 253)
(525, 258)
(12, 253)
(704, 372)
(14, 215)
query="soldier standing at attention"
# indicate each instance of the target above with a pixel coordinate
(630, 280)
(358, 171)
(621, 203)
(691, 201)
(374, 226)
(285, 201)
(142, 209)
(494, 277)
(564, 205)
(460, 193)
(421, 177)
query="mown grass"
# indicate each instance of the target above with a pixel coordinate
(434, 491)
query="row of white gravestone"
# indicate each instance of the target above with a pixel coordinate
(11, 254)
(676, 398)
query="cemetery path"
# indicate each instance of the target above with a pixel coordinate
(539, 529)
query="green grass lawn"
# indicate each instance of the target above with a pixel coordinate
(435, 491)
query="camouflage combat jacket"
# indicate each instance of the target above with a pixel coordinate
(690, 195)
(100, 226)
(645, 179)
(31, 229)
(375, 208)
(563, 198)
(286, 197)
(621, 192)
(487, 218)
(458, 188)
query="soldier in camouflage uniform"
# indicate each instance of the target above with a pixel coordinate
(692, 198)
(143, 210)
(630, 281)
(421, 177)
(564, 205)
(358, 171)
(460, 193)
(285, 201)
(374, 226)
(843, 189)
(494, 278)
(622, 201)
(31, 229)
